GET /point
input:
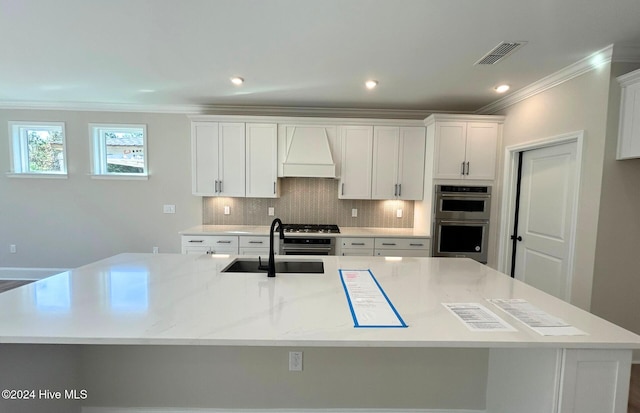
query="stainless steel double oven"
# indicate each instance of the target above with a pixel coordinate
(462, 221)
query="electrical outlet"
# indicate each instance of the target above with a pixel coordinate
(399, 213)
(271, 211)
(156, 250)
(354, 212)
(169, 209)
(295, 361)
(12, 248)
(227, 210)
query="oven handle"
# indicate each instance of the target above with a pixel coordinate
(285, 248)
(469, 222)
(480, 196)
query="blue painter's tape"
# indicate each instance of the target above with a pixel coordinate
(353, 313)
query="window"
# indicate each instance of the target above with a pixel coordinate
(38, 148)
(119, 150)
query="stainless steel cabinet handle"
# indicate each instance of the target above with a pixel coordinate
(342, 189)
(224, 242)
(357, 243)
(256, 242)
(274, 187)
(467, 168)
(196, 240)
(220, 186)
(395, 190)
(462, 173)
(399, 189)
(215, 187)
(388, 243)
(416, 245)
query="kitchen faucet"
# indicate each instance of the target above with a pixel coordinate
(271, 268)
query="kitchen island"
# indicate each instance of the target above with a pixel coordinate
(144, 331)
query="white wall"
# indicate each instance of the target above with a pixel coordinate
(71, 222)
(578, 104)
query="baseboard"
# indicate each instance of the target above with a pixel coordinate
(23, 273)
(197, 410)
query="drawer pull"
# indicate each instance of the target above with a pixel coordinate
(388, 243)
(224, 242)
(196, 240)
(417, 245)
(256, 242)
(357, 243)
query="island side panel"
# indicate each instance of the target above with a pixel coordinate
(41, 378)
(258, 377)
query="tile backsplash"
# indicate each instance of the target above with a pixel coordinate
(308, 201)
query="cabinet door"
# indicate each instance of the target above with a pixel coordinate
(262, 160)
(449, 153)
(204, 158)
(231, 159)
(385, 162)
(482, 141)
(411, 163)
(629, 129)
(357, 147)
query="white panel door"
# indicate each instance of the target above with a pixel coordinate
(480, 154)
(262, 160)
(357, 149)
(411, 163)
(385, 162)
(547, 205)
(450, 150)
(232, 160)
(204, 158)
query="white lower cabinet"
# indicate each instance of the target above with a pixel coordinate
(402, 247)
(209, 244)
(356, 247)
(257, 245)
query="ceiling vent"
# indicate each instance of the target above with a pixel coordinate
(499, 52)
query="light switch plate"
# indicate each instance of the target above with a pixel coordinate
(227, 210)
(399, 213)
(271, 211)
(169, 209)
(354, 212)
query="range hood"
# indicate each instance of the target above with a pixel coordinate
(308, 153)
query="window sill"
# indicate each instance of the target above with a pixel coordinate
(124, 177)
(38, 175)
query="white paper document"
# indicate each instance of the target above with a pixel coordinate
(536, 319)
(477, 317)
(369, 305)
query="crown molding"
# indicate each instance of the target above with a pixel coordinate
(572, 71)
(245, 110)
(626, 53)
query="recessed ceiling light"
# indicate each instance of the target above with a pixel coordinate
(237, 80)
(502, 88)
(370, 84)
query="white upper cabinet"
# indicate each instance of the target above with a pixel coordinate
(262, 160)
(218, 159)
(629, 128)
(357, 147)
(465, 150)
(398, 162)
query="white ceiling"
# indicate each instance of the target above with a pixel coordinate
(294, 52)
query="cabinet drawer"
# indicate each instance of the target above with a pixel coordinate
(402, 243)
(215, 241)
(257, 242)
(402, 253)
(357, 243)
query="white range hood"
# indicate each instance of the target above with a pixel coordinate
(308, 153)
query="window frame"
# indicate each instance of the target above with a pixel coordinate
(19, 152)
(99, 152)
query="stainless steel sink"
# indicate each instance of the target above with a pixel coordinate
(282, 266)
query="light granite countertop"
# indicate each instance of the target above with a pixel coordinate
(175, 299)
(369, 232)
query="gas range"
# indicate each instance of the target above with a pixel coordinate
(308, 239)
(310, 229)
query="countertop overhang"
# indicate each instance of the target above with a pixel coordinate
(173, 299)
